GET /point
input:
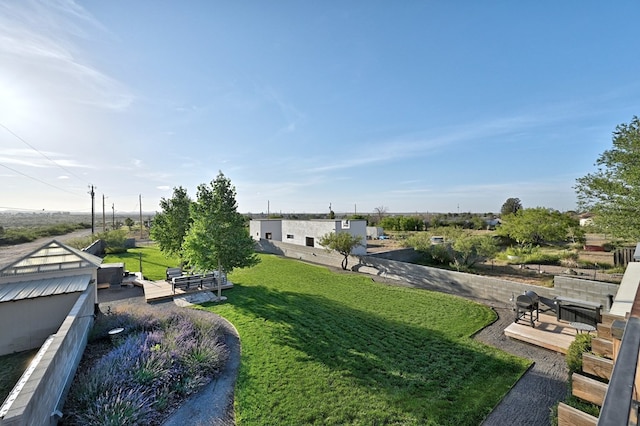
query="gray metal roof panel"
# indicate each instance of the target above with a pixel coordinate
(44, 287)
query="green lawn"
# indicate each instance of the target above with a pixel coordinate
(320, 347)
(154, 263)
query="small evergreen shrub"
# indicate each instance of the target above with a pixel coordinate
(580, 345)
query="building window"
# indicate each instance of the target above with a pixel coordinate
(290, 236)
(267, 235)
(309, 242)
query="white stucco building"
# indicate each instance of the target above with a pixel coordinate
(308, 232)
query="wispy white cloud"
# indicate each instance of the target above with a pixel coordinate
(32, 158)
(37, 37)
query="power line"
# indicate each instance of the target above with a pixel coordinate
(38, 151)
(37, 180)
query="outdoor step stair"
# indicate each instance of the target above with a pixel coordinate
(597, 366)
(588, 389)
(569, 416)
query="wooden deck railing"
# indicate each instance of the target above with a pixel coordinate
(615, 357)
(620, 405)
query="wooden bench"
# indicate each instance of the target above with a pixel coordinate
(173, 273)
(186, 281)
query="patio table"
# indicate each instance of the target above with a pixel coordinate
(582, 327)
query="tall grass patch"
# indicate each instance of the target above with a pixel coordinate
(320, 347)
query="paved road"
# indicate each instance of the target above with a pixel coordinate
(10, 254)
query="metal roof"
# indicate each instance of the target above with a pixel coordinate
(53, 256)
(44, 287)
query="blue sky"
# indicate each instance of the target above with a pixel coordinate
(417, 106)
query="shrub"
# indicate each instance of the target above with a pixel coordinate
(114, 240)
(119, 407)
(543, 259)
(569, 259)
(580, 345)
(163, 357)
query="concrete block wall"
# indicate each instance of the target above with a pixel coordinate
(402, 255)
(52, 370)
(579, 288)
(459, 283)
(309, 254)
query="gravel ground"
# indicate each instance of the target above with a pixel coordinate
(529, 402)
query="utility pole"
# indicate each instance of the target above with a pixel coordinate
(104, 221)
(141, 224)
(113, 216)
(93, 205)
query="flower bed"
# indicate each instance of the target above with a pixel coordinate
(143, 374)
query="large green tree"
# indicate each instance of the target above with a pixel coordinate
(341, 242)
(512, 205)
(171, 225)
(612, 193)
(538, 225)
(218, 238)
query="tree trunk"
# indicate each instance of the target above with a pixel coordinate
(219, 280)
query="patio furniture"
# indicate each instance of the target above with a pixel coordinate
(582, 327)
(527, 305)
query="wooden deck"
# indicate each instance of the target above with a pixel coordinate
(548, 333)
(156, 291)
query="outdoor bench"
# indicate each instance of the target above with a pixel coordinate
(186, 281)
(173, 273)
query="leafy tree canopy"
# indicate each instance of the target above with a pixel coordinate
(538, 225)
(612, 193)
(341, 242)
(462, 248)
(512, 205)
(218, 238)
(171, 225)
(402, 223)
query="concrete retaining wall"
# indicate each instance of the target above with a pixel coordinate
(462, 284)
(402, 255)
(579, 288)
(96, 248)
(37, 398)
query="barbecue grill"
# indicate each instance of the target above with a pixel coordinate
(527, 306)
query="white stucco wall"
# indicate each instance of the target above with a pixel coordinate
(297, 231)
(259, 228)
(33, 320)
